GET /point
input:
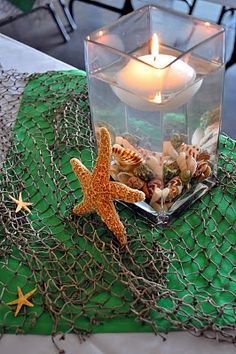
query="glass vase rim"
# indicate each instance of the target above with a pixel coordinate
(138, 60)
(221, 28)
(105, 30)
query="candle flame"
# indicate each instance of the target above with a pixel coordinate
(157, 98)
(155, 46)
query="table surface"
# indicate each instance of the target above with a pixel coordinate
(25, 59)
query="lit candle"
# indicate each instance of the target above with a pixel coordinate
(158, 85)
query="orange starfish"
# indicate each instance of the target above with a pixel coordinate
(21, 204)
(22, 300)
(100, 192)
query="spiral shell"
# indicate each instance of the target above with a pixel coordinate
(126, 157)
(190, 150)
(175, 186)
(203, 170)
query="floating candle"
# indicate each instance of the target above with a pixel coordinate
(157, 86)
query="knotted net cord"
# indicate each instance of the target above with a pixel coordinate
(180, 277)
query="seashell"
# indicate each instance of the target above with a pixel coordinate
(163, 207)
(185, 176)
(156, 195)
(212, 128)
(204, 155)
(174, 193)
(156, 207)
(169, 171)
(191, 164)
(210, 117)
(169, 150)
(187, 162)
(197, 136)
(177, 139)
(145, 153)
(124, 177)
(156, 165)
(124, 143)
(114, 170)
(182, 161)
(175, 186)
(190, 150)
(148, 193)
(155, 182)
(130, 180)
(126, 157)
(159, 195)
(149, 187)
(210, 142)
(203, 170)
(144, 172)
(136, 183)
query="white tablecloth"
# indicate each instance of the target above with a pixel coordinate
(25, 59)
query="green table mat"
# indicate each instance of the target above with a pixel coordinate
(181, 277)
(24, 5)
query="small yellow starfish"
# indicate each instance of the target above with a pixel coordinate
(22, 300)
(21, 204)
(100, 192)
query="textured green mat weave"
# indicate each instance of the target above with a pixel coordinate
(24, 5)
(182, 277)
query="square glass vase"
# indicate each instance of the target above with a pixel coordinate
(155, 80)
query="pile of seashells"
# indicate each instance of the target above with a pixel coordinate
(164, 176)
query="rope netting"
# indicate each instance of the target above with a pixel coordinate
(179, 277)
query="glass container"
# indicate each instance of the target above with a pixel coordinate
(155, 80)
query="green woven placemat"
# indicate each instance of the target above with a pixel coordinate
(24, 5)
(181, 277)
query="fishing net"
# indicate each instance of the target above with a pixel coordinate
(178, 277)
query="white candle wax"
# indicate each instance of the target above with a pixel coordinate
(155, 86)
